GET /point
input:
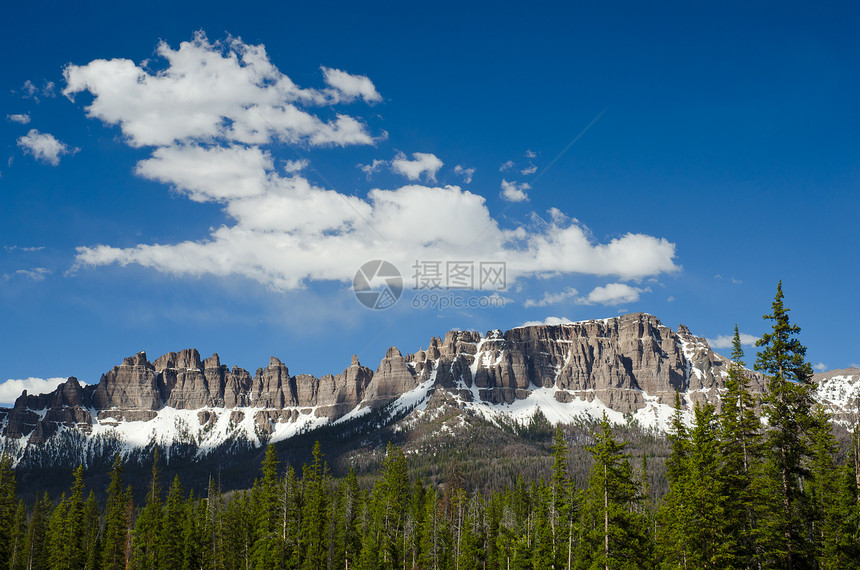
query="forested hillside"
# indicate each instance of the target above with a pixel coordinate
(732, 492)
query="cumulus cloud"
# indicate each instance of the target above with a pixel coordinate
(548, 321)
(202, 113)
(515, 192)
(506, 166)
(466, 173)
(820, 367)
(612, 294)
(227, 91)
(22, 119)
(421, 163)
(44, 147)
(11, 389)
(551, 298)
(725, 340)
(530, 154)
(286, 230)
(348, 87)
(530, 170)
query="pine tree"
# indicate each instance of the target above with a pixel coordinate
(73, 545)
(346, 543)
(740, 472)
(147, 528)
(172, 525)
(824, 515)
(268, 545)
(543, 555)
(389, 500)
(55, 536)
(417, 515)
(675, 512)
(194, 537)
(846, 551)
(37, 547)
(116, 521)
(472, 553)
(19, 538)
(613, 537)
(433, 540)
(787, 407)
(291, 524)
(560, 521)
(213, 525)
(316, 481)
(92, 537)
(8, 506)
(707, 546)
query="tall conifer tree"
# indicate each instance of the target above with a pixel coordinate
(787, 407)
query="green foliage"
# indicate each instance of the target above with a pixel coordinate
(612, 532)
(734, 495)
(117, 519)
(788, 408)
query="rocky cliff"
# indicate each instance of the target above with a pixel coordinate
(629, 367)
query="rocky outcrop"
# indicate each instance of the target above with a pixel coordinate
(133, 385)
(617, 361)
(839, 391)
(393, 378)
(624, 363)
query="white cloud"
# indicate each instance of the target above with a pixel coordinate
(514, 192)
(11, 389)
(372, 168)
(530, 154)
(466, 173)
(296, 165)
(421, 163)
(22, 119)
(348, 87)
(287, 231)
(35, 273)
(820, 367)
(530, 170)
(670, 299)
(725, 340)
(282, 230)
(31, 91)
(23, 248)
(612, 294)
(548, 321)
(551, 298)
(855, 365)
(44, 147)
(506, 166)
(228, 91)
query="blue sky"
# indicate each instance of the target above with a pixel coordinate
(213, 176)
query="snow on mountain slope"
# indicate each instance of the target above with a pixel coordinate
(628, 367)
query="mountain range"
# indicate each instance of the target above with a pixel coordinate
(628, 367)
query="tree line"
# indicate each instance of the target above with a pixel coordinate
(759, 484)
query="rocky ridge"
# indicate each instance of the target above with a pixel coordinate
(628, 367)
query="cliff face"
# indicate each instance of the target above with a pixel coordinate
(630, 364)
